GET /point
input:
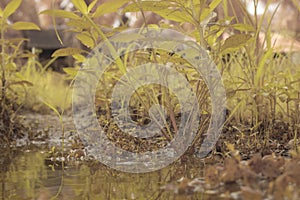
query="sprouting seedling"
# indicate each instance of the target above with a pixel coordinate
(60, 116)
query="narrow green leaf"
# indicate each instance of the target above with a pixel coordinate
(1, 12)
(208, 17)
(127, 38)
(86, 39)
(71, 71)
(67, 52)
(78, 24)
(214, 4)
(92, 5)
(208, 13)
(205, 12)
(60, 13)
(235, 41)
(22, 83)
(261, 67)
(52, 108)
(25, 26)
(81, 6)
(11, 7)
(79, 58)
(162, 8)
(175, 15)
(109, 7)
(243, 27)
(94, 34)
(147, 6)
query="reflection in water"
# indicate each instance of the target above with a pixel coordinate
(25, 175)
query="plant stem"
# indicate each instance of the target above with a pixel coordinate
(3, 79)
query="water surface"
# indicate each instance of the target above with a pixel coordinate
(26, 175)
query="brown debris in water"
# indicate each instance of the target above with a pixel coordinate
(261, 177)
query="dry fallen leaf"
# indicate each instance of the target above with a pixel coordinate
(231, 171)
(292, 169)
(271, 167)
(249, 177)
(279, 186)
(268, 166)
(250, 194)
(212, 176)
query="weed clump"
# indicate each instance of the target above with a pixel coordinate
(10, 54)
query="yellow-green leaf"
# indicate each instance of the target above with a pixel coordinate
(146, 6)
(60, 13)
(22, 83)
(175, 15)
(67, 52)
(86, 39)
(109, 7)
(1, 12)
(52, 108)
(261, 67)
(235, 41)
(208, 13)
(71, 71)
(79, 58)
(214, 4)
(94, 34)
(25, 26)
(79, 24)
(243, 27)
(92, 5)
(208, 17)
(165, 9)
(11, 7)
(128, 38)
(81, 6)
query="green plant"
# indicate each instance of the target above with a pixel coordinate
(261, 89)
(262, 83)
(82, 22)
(45, 85)
(11, 52)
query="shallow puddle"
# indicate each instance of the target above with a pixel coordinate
(26, 175)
